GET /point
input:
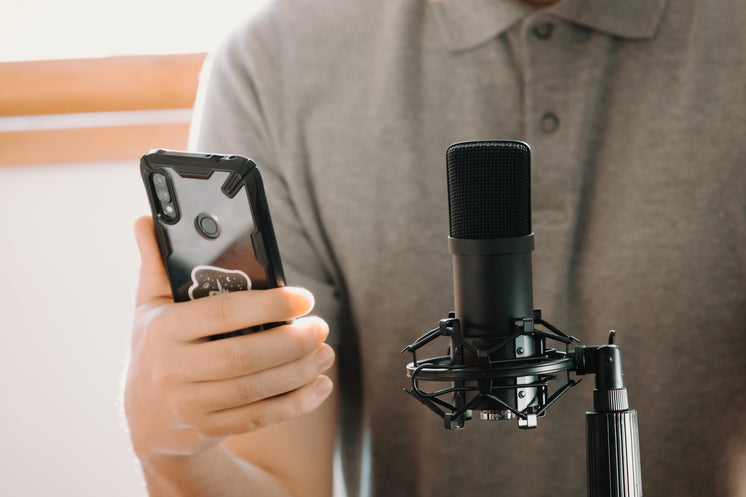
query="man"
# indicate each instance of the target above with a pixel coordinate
(634, 112)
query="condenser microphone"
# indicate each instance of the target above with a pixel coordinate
(498, 362)
(489, 204)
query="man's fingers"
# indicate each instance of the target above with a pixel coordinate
(249, 354)
(267, 412)
(201, 318)
(213, 396)
(153, 280)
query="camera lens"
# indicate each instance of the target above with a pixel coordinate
(159, 179)
(163, 194)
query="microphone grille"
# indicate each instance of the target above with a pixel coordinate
(489, 189)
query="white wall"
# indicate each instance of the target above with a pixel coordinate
(69, 271)
(95, 28)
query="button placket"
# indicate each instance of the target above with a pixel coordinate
(539, 31)
(562, 100)
(544, 52)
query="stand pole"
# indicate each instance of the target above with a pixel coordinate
(613, 441)
(613, 454)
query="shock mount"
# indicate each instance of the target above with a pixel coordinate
(481, 382)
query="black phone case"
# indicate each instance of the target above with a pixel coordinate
(212, 222)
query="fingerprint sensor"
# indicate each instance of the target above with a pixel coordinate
(207, 225)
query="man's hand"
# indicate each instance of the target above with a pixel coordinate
(185, 394)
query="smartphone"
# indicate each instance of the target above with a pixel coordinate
(212, 223)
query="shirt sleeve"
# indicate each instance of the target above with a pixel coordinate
(239, 111)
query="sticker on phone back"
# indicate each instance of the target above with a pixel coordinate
(210, 280)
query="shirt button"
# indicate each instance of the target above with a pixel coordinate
(549, 122)
(544, 31)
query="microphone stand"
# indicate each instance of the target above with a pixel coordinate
(612, 438)
(613, 446)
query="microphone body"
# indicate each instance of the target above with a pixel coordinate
(491, 243)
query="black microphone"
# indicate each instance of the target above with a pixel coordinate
(489, 204)
(497, 362)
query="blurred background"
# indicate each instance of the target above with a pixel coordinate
(86, 87)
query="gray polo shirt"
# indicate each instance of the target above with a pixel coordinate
(635, 114)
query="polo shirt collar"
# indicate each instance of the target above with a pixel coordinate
(468, 23)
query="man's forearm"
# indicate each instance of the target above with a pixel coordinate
(214, 473)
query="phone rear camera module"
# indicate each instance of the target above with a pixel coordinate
(164, 196)
(207, 226)
(161, 187)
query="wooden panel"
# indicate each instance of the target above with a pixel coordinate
(98, 85)
(53, 146)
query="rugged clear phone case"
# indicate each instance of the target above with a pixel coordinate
(212, 222)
